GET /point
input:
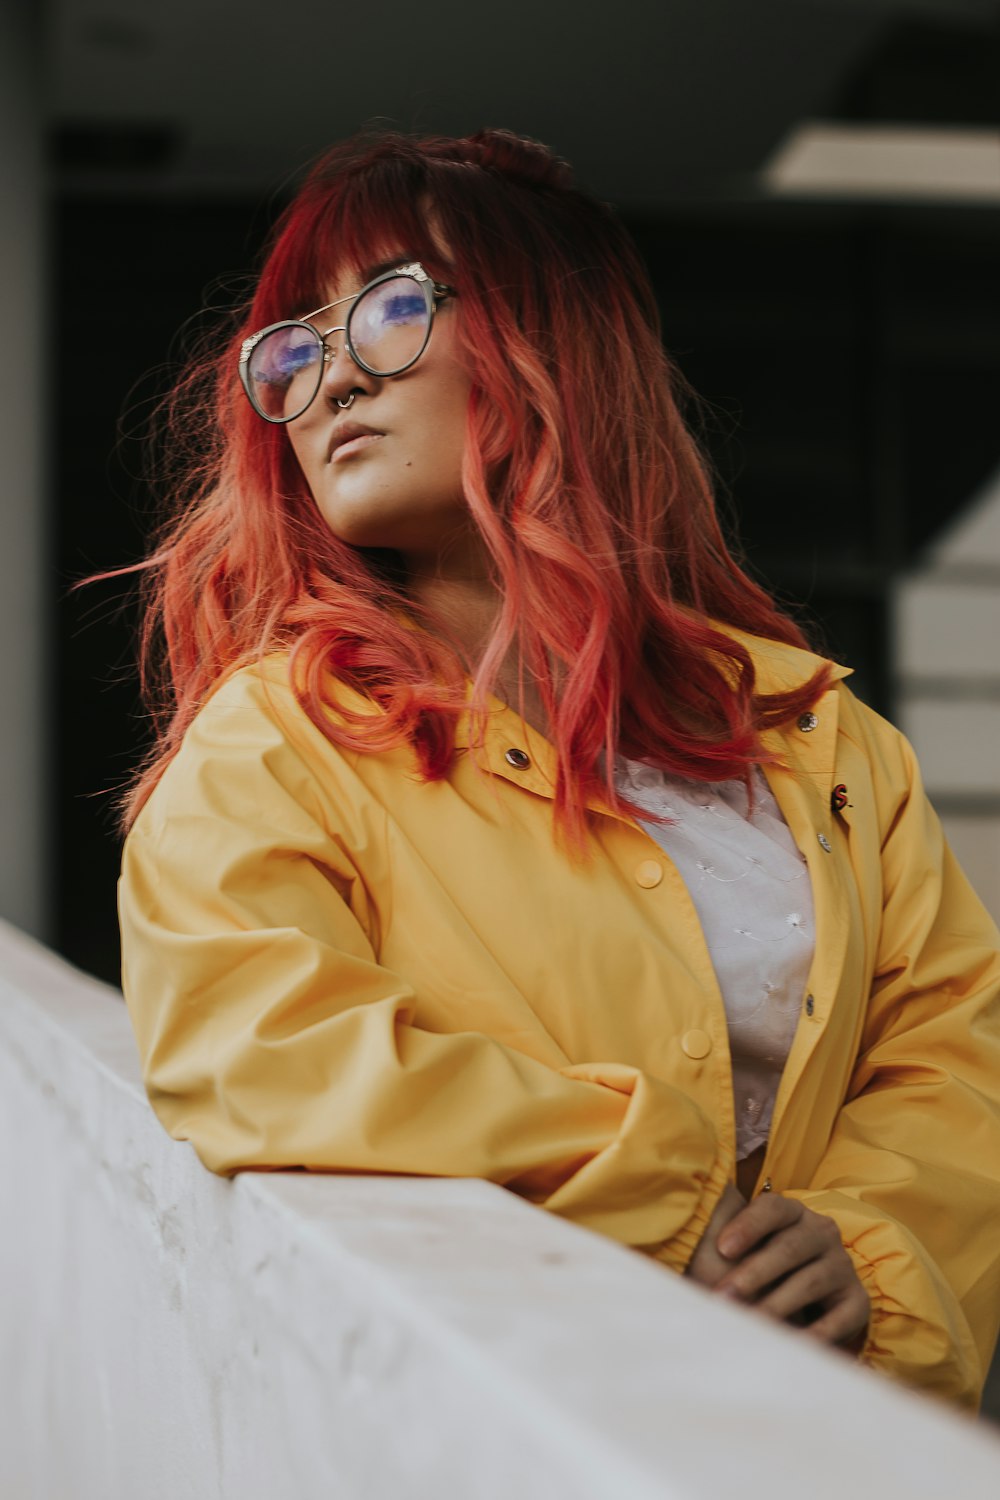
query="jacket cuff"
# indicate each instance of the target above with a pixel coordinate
(917, 1331)
(677, 1251)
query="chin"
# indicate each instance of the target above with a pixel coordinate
(359, 527)
(433, 534)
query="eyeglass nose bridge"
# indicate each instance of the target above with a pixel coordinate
(330, 354)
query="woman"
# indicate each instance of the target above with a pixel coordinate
(500, 826)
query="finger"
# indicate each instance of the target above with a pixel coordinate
(806, 1238)
(846, 1321)
(810, 1238)
(820, 1281)
(784, 1252)
(765, 1215)
(706, 1266)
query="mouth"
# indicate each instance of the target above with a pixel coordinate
(350, 438)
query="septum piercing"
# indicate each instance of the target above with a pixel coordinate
(329, 354)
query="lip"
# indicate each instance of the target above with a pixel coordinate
(351, 437)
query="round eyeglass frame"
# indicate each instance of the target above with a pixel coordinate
(433, 291)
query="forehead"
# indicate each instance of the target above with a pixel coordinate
(352, 278)
(341, 230)
(352, 248)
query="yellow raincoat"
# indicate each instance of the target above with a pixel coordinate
(331, 964)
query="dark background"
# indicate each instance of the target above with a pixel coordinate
(848, 351)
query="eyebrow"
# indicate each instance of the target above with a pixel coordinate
(378, 268)
(371, 271)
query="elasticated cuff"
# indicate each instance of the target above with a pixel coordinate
(677, 1251)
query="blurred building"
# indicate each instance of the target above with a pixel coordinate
(816, 187)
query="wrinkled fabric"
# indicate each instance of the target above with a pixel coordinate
(330, 964)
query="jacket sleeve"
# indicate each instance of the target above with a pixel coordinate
(912, 1173)
(270, 1036)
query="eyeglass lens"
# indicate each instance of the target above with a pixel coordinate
(387, 328)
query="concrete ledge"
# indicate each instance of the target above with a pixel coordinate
(165, 1332)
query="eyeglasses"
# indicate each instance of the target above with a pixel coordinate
(386, 330)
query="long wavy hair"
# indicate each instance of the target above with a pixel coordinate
(589, 492)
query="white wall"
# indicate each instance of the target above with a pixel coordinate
(947, 659)
(23, 658)
(166, 1333)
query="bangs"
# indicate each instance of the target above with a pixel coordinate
(347, 228)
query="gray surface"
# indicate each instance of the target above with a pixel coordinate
(176, 1333)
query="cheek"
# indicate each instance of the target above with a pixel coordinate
(431, 463)
(433, 435)
(296, 446)
(302, 458)
(452, 429)
(444, 450)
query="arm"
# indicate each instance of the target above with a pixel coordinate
(271, 1036)
(911, 1176)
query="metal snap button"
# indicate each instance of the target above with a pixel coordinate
(649, 873)
(519, 759)
(808, 722)
(696, 1043)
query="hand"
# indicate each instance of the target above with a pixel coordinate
(706, 1265)
(793, 1266)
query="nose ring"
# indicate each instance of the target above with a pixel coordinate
(349, 402)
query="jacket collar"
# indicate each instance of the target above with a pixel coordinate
(779, 668)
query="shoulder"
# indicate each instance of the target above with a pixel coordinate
(265, 703)
(253, 714)
(870, 742)
(264, 693)
(259, 694)
(257, 804)
(886, 749)
(251, 751)
(781, 667)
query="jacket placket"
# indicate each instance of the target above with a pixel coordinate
(803, 788)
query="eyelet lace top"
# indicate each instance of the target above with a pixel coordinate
(750, 887)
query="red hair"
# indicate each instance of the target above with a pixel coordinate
(589, 492)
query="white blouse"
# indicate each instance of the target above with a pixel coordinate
(751, 890)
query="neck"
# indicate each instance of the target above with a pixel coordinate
(458, 595)
(462, 602)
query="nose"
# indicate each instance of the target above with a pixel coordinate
(341, 375)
